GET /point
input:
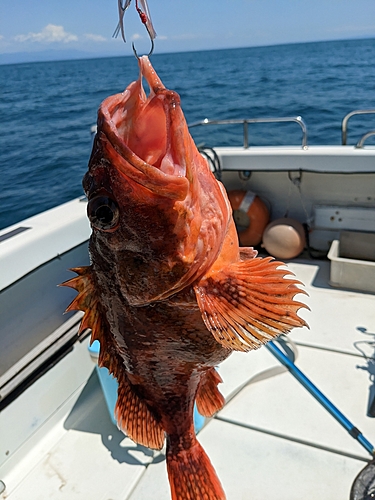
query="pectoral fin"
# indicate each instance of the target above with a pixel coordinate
(249, 303)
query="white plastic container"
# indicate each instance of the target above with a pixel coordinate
(351, 273)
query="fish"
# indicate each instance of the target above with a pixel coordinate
(169, 293)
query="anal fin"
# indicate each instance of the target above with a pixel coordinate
(209, 399)
(249, 302)
(135, 418)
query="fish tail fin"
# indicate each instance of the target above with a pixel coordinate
(191, 474)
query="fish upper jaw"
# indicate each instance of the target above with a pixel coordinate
(146, 137)
(170, 214)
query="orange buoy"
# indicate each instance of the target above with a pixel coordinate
(284, 238)
(250, 215)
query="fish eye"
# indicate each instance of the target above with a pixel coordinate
(103, 213)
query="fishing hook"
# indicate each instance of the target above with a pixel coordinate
(151, 50)
(145, 19)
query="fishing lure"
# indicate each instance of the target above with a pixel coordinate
(144, 15)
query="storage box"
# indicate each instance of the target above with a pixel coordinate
(354, 274)
(109, 386)
(357, 245)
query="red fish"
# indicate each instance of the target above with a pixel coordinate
(169, 294)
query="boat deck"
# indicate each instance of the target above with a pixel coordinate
(271, 440)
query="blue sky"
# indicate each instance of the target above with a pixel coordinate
(88, 25)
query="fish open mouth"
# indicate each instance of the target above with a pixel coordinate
(146, 137)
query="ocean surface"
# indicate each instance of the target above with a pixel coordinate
(47, 108)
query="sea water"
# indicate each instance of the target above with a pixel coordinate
(47, 109)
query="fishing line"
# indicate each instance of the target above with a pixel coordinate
(291, 438)
(269, 372)
(363, 487)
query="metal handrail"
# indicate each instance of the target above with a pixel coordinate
(361, 141)
(246, 121)
(344, 124)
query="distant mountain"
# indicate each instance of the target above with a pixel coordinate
(47, 55)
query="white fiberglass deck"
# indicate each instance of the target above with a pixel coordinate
(272, 440)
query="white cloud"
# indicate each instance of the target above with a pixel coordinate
(95, 38)
(51, 33)
(136, 36)
(1, 37)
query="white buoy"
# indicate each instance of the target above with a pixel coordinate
(284, 238)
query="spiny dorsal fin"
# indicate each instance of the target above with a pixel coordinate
(135, 419)
(132, 414)
(86, 301)
(209, 399)
(249, 303)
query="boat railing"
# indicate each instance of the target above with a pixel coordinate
(361, 141)
(344, 126)
(245, 122)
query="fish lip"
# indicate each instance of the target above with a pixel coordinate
(116, 114)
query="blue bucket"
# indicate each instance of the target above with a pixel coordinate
(109, 386)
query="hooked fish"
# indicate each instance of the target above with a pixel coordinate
(169, 293)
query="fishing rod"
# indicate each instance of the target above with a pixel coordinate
(363, 487)
(320, 397)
